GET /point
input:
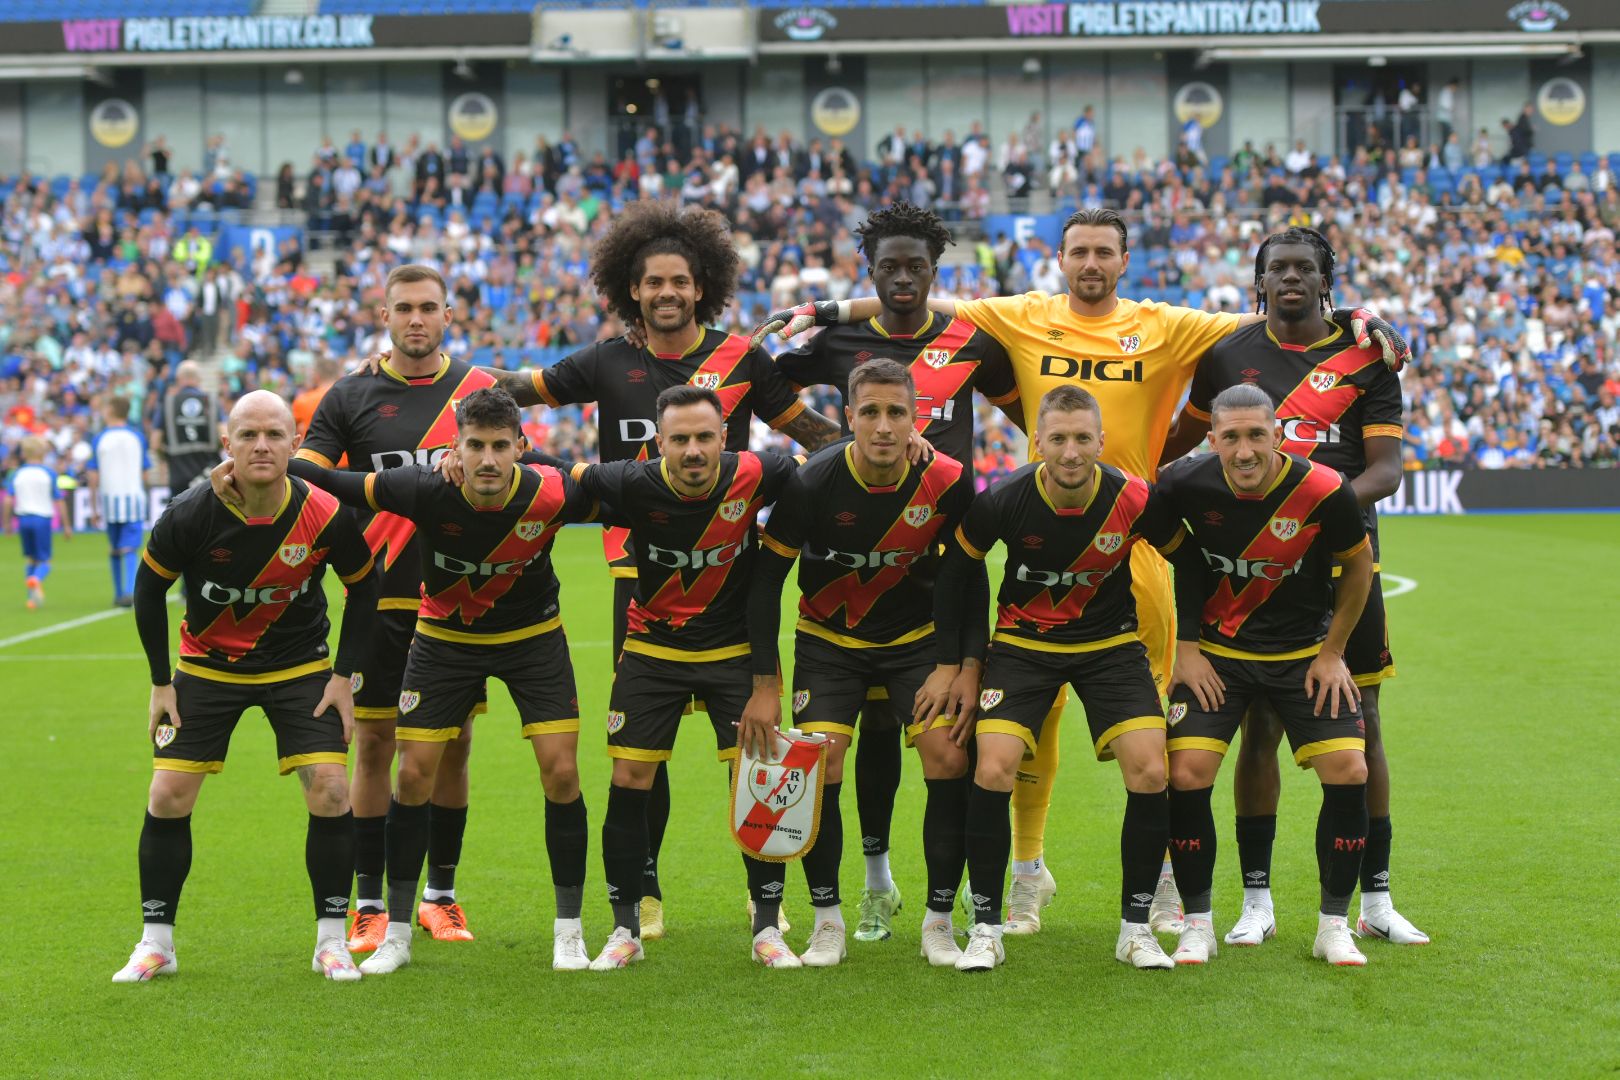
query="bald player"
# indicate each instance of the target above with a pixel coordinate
(254, 635)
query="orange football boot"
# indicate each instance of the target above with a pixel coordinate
(446, 922)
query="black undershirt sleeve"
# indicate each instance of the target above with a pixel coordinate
(975, 633)
(152, 622)
(348, 487)
(765, 610)
(1188, 563)
(359, 621)
(952, 600)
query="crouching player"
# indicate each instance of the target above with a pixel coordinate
(1274, 625)
(1065, 616)
(254, 635)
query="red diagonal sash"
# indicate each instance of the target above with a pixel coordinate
(1230, 610)
(940, 381)
(1325, 407)
(1046, 612)
(714, 372)
(473, 602)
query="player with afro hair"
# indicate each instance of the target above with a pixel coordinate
(645, 229)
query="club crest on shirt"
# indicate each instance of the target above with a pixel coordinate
(293, 554)
(989, 699)
(164, 735)
(801, 698)
(1130, 343)
(1323, 381)
(1284, 528)
(1109, 542)
(528, 530)
(409, 700)
(936, 358)
(1178, 713)
(917, 515)
(707, 380)
(733, 511)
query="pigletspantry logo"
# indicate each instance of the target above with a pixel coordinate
(806, 23)
(1538, 16)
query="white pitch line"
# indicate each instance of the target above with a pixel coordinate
(1399, 586)
(62, 658)
(57, 628)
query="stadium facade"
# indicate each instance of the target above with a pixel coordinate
(78, 92)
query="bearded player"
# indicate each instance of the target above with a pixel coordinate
(1136, 358)
(948, 359)
(1338, 406)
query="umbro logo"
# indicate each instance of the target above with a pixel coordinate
(1034, 541)
(942, 896)
(154, 906)
(636, 375)
(1212, 517)
(822, 892)
(1055, 335)
(1256, 876)
(450, 528)
(862, 357)
(771, 889)
(845, 518)
(337, 903)
(1143, 898)
(980, 900)
(1251, 373)
(221, 554)
(657, 516)
(388, 412)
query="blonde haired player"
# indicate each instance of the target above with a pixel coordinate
(1136, 358)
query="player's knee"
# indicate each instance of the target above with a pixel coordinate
(995, 772)
(1342, 767)
(634, 774)
(373, 746)
(168, 798)
(1187, 773)
(943, 760)
(326, 791)
(416, 776)
(1144, 773)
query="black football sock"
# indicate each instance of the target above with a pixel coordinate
(566, 841)
(988, 837)
(370, 858)
(446, 827)
(1341, 840)
(944, 845)
(1375, 861)
(877, 781)
(1142, 840)
(657, 822)
(329, 858)
(766, 881)
(1255, 836)
(165, 857)
(624, 853)
(822, 860)
(1192, 847)
(407, 843)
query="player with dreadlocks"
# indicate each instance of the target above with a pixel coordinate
(948, 359)
(669, 274)
(1340, 405)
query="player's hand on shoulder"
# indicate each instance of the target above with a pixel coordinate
(1371, 331)
(1194, 671)
(1328, 681)
(339, 695)
(371, 365)
(919, 451)
(635, 335)
(793, 321)
(162, 709)
(222, 478)
(451, 467)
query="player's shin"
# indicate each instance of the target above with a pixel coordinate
(766, 882)
(1192, 848)
(329, 860)
(989, 842)
(566, 842)
(944, 844)
(877, 781)
(370, 860)
(1032, 798)
(1341, 839)
(165, 858)
(1142, 840)
(624, 854)
(657, 822)
(1255, 836)
(822, 861)
(447, 825)
(406, 842)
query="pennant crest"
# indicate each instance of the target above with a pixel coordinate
(776, 799)
(1284, 528)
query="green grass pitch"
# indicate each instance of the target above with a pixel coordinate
(1500, 727)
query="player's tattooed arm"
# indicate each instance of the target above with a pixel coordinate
(520, 384)
(811, 430)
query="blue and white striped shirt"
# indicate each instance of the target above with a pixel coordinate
(121, 460)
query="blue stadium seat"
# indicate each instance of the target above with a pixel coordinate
(1614, 161)
(1562, 161)
(1589, 162)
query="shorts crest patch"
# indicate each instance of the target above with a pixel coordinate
(528, 530)
(615, 722)
(1109, 542)
(293, 554)
(1284, 528)
(356, 681)
(408, 700)
(917, 515)
(733, 511)
(801, 698)
(989, 699)
(1178, 713)
(164, 735)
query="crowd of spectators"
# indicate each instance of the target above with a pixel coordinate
(1505, 277)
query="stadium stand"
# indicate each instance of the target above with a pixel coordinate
(28, 11)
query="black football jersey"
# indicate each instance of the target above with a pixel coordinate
(948, 360)
(486, 572)
(625, 382)
(1067, 581)
(1330, 396)
(1268, 559)
(255, 609)
(695, 556)
(867, 555)
(386, 421)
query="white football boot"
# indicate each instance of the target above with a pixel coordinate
(1139, 948)
(939, 945)
(1334, 943)
(619, 951)
(1025, 899)
(1197, 944)
(1254, 925)
(984, 950)
(393, 954)
(147, 962)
